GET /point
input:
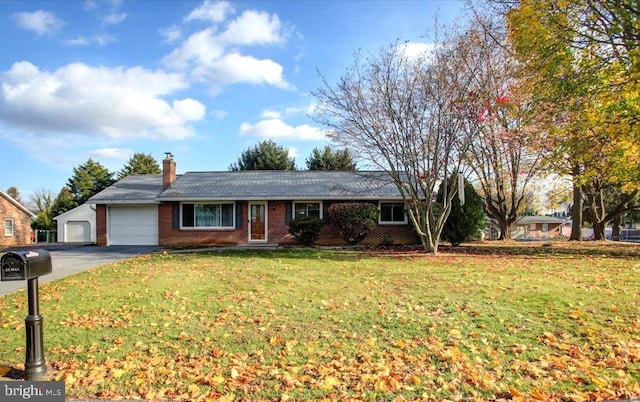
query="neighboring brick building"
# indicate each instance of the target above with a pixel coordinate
(537, 227)
(16, 222)
(245, 207)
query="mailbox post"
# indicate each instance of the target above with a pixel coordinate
(29, 265)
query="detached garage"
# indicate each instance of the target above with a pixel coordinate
(133, 225)
(77, 225)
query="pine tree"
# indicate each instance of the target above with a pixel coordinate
(466, 221)
(140, 163)
(267, 155)
(330, 159)
(89, 179)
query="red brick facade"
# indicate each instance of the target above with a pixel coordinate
(543, 230)
(101, 225)
(169, 234)
(20, 223)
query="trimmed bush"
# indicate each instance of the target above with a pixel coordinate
(353, 220)
(306, 229)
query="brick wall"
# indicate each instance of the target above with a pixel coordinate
(101, 225)
(278, 231)
(553, 230)
(21, 224)
(381, 235)
(170, 236)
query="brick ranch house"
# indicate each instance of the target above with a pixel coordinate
(537, 227)
(16, 220)
(241, 207)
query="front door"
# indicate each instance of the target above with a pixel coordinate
(257, 222)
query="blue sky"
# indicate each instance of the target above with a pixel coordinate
(204, 80)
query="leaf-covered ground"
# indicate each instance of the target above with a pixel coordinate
(476, 323)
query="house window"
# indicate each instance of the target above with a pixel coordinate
(210, 215)
(545, 227)
(532, 226)
(307, 209)
(8, 227)
(392, 212)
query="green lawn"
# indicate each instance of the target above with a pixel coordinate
(514, 322)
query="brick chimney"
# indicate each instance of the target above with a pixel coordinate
(168, 170)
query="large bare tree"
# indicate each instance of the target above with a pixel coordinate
(410, 117)
(508, 154)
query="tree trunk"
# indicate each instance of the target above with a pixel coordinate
(598, 230)
(428, 239)
(429, 246)
(596, 210)
(617, 225)
(505, 229)
(576, 211)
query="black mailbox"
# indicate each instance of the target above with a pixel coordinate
(21, 265)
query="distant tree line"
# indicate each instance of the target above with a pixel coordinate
(91, 177)
(267, 155)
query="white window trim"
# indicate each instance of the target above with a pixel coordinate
(381, 222)
(9, 233)
(293, 207)
(232, 227)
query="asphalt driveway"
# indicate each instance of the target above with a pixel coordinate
(72, 260)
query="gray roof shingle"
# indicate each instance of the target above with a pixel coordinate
(134, 189)
(527, 220)
(251, 185)
(281, 184)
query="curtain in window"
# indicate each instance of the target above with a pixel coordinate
(207, 215)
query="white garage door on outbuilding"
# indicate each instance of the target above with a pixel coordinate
(77, 225)
(77, 232)
(133, 225)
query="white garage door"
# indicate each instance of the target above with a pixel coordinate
(77, 231)
(133, 226)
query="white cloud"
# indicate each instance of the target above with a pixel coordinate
(219, 114)
(292, 152)
(171, 34)
(79, 41)
(254, 27)
(189, 109)
(89, 5)
(85, 41)
(112, 153)
(306, 110)
(114, 18)
(270, 114)
(276, 128)
(201, 48)
(212, 55)
(103, 102)
(415, 50)
(211, 11)
(235, 68)
(40, 22)
(289, 111)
